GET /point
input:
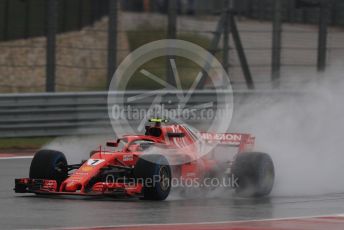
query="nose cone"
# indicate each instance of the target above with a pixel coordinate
(72, 187)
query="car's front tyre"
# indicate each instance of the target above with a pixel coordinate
(155, 174)
(49, 164)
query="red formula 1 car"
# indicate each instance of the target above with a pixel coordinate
(145, 165)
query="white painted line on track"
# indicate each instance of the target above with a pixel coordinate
(17, 157)
(197, 223)
(340, 215)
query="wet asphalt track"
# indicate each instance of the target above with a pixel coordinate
(32, 212)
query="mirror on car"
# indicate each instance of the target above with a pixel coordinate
(176, 134)
(111, 144)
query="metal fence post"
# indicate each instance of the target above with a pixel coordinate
(171, 34)
(80, 14)
(276, 43)
(241, 53)
(172, 19)
(322, 39)
(226, 31)
(51, 28)
(27, 19)
(212, 48)
(112, 40)
(6, 19)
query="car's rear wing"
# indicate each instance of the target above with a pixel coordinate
(245, 142)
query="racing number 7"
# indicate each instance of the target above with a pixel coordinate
(94, 162)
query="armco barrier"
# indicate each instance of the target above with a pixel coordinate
(56, 114)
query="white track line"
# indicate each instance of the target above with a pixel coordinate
(18, 157)
(197, 223)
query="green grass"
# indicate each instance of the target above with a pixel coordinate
(24, 143)
(187, 69)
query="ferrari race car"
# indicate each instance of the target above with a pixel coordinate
(144, 165)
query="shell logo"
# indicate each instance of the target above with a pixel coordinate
(86, 168)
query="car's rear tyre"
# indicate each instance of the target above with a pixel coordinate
(155, 174)
(49, 164)
(255, 174)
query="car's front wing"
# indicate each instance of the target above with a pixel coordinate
(43, 186)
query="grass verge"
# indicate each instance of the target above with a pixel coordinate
(24, 142)
(187, 69)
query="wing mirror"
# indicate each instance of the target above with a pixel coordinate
(176, 134)
(111, 144)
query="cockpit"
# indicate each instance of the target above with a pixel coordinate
(139, 145)
(136, 145)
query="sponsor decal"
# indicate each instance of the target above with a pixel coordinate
(228, 138)
(86, 168)
(190, 174)
(128, 157)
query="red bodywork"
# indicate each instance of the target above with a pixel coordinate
(183, 142)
